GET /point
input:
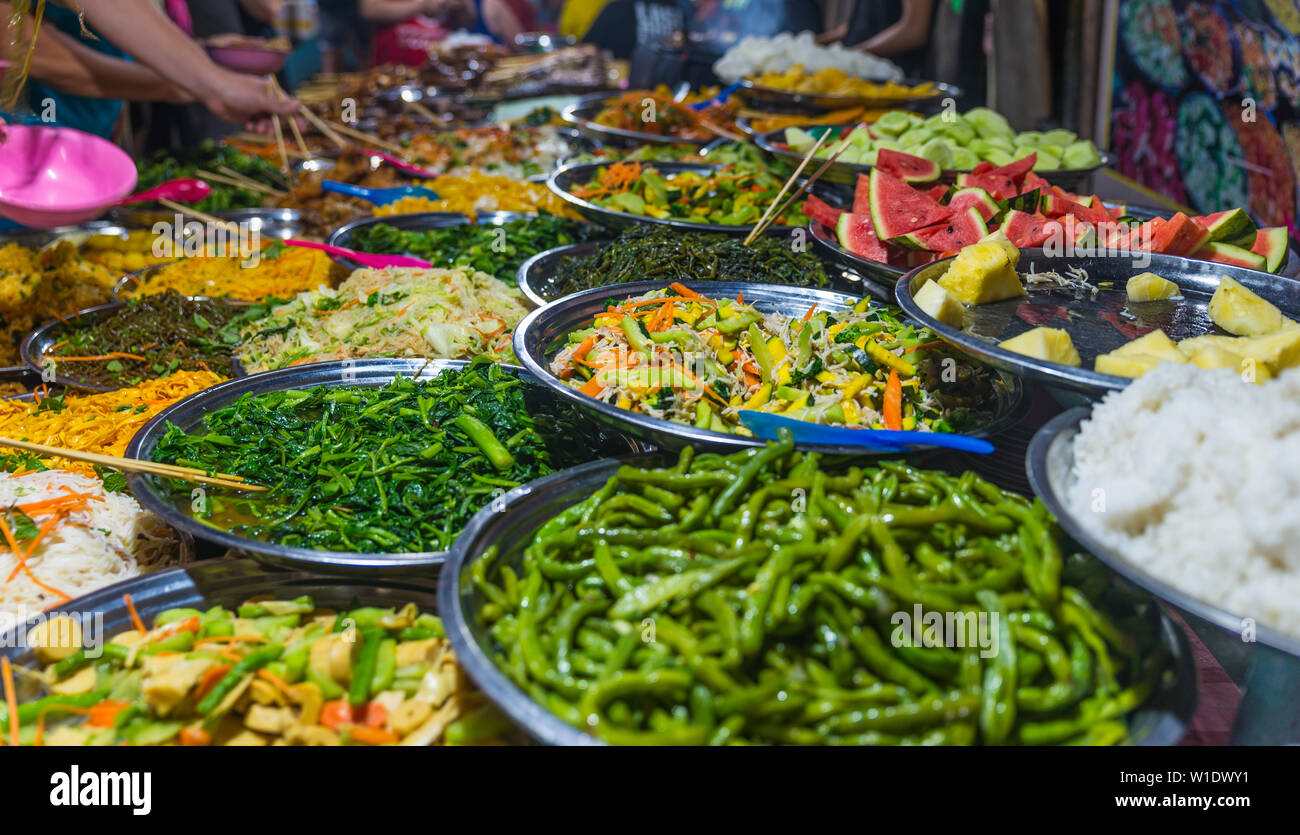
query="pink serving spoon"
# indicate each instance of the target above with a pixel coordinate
(52, 176)
(365, 259)
(402, 165)
(184, 190)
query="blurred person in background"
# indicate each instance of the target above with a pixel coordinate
(87, 79)
(502, 20)
(404, 29)
(577, 16)
(895, 29)
(344, 36)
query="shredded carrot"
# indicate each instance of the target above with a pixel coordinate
(893, 404)
(661, 316)
(195, 735)
(31, 549)
(210, 678)
(577, 356)
(371, 736)
(280, 684)
(810, 312)
(135, 616)
(231, 639)
(9, 537)
(11, 697)
(40, 718)
(103, 714)
(682, 290)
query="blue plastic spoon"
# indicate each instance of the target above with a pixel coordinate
(766, 425)
(379, 196)
(723, 95)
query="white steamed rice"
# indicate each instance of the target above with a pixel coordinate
(1192, 475)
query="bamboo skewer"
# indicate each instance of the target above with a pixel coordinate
(232, 173)
(762, 221)
(323, 127)
(197, 215)
(416, 107)
(135, 465)
(293, 123)
(238, 182)
(366, 137)
(807, 184)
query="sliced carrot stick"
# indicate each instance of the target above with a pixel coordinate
(11, 697)
(682, 290)
(893, 405)
(135, 616)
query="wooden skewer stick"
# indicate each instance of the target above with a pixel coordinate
(416, 107)
(322, 126)
(293, 123)
(762, 221)
(135, 465)
(197, 215)
(233, 174)
(807, 184)
(721, 131)
(368, 138)
(238, 182)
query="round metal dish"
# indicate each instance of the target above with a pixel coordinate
(786, 100)
(539, 335)
(536, 274)
(563, 180)
(35, 344)
(848, 172)
(1093, 321)
(274, 223)
(215, 582)
(570, 438)
(1049, 463)
(1162, 721)
(825, 242)
(41, 238)
(582, 115)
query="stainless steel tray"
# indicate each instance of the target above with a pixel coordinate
(848, 172)
(538, 337)
(567, 435)
(274, 223)
(787, 101)
(1162, 721)
(582, 115)
(1092, 321)
(563, 180)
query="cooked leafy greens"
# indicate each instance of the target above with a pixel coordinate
(394, 469)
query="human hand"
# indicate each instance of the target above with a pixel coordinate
(264, 10)
(241, 99)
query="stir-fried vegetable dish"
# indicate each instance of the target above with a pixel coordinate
(268, 672)
(702, 604)
(677, 355)
(730, 195)
(398, 468)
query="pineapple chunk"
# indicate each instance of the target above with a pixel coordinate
(940, 304)
(1209, 355)
(1278, 350)
(1238, 310)
(983, 273)
(1127, 365)
(1147, 287)
(1000, 238)
(1051, 344)
(1155, 344)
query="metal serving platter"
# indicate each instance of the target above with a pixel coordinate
(540, 335)
(1161, 721)
(35, 344)
(582, 115)
(787, 101)
(273, 223)
(1094, 322)
(40, 238)
(848, 172)
(214, 582)
(563, 180)
(536, 275)
(415, 222)
(570, 437)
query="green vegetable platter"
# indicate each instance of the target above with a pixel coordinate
(369, 464)
(764, 597)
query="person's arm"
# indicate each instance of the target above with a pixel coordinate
(390, 11)
(831, 36)
(910, 32)
(501, 21)
(142, 30)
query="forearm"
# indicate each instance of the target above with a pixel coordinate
(390, 11)
(72, 68)
(142, 29)
(910, 32)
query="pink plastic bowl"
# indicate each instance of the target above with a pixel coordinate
(253, 60)
(53, 176)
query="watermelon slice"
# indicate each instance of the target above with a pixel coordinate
(1229, 225)
(857, 234)
(939, 193)
(1235, 256)
(1033, 181)
(1028, 231)
(1273, 243)
(908, 168)
(998, 185)
(962, 229)
(862, 195)
(1180, 235)
(819, 210)
(977, 198)
(897, 208)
